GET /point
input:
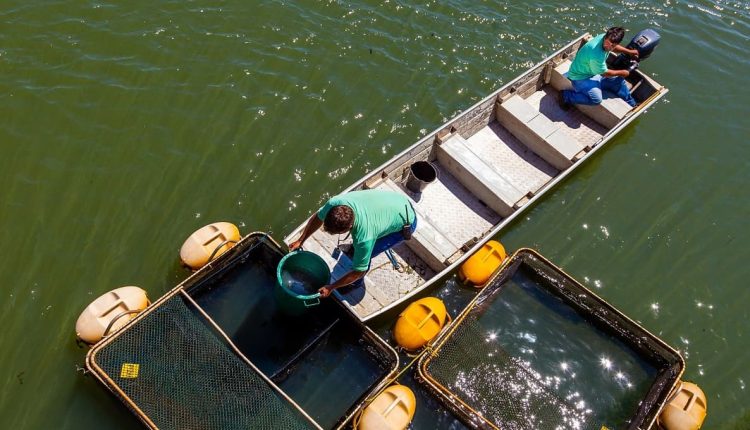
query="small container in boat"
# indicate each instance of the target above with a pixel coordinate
(421, 174)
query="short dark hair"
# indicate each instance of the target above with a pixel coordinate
(615, 34)
(339, 219)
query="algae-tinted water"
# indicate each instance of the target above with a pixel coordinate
(333, 375)
(300, 282)
(318, 357)
(524, 358)
(597, 374)
(244, 304)
(126, 126)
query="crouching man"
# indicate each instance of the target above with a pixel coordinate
(377, 221)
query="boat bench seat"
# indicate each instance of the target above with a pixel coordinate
(610, 112)
(428, 242)
(539, 133)
(483, 180)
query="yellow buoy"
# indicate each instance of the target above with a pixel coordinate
(685, 410)
(110, 312)
(208, 243)
(419, 323)
(393, 409)
(480, 266)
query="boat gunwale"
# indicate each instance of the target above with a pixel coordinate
(427, 141)
(212, 268)
(516, 259)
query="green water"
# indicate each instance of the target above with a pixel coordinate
(598, 377)
(127, 126)
(334, 370)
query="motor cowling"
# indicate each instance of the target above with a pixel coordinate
(644, 42)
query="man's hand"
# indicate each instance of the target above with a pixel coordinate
(633, 53)
(313, 224)
(610, 73)
(325, 291)
(297, 244)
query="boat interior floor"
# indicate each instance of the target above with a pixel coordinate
(484, 174)
(382, 285)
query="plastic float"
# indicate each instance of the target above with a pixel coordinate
(109, 313)
(420, 322)
(685, 410)
(393, 409)
(480, 266)
(208, 243)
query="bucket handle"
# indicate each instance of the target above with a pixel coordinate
(311, 303)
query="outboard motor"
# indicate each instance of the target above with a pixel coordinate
(644, 42)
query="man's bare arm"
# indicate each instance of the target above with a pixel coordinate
(313, 224)
(623, 50)
(347, 279)
(612, 73)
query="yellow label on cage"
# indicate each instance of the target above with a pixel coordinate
(129, 370)
(604, 428)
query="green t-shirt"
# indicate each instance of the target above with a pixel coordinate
(376, 214)
(590, 60)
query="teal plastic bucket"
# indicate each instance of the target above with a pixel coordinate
(299, 275)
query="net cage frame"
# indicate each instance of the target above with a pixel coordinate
(592, 308)
(226, 261)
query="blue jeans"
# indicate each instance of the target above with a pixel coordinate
(390, 240)
(590, 91)
(382, 244)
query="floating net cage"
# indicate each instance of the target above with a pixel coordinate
(176, 368)
(488, 387)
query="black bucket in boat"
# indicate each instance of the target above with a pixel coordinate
(421, 174)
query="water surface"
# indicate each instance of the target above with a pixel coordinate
(126, 127)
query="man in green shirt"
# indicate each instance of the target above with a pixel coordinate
(589, 73)
(376, 219)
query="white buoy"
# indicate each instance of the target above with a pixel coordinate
(208, 243)
(110, 312)
(685, 410)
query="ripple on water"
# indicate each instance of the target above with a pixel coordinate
(127, 125)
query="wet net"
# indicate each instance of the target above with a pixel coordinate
(181, 375)
(498, 388)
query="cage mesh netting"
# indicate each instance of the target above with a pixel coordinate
(497, 386)
(180, 374)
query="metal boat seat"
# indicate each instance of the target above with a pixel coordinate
(488, 184)
(428, 242)
(539, 133)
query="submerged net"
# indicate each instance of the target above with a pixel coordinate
(498, 387)
(180, 374)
